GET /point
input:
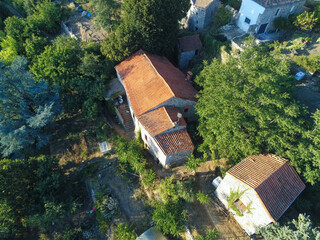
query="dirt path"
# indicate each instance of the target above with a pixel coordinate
(133, 210)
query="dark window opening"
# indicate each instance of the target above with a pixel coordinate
(239, 204)
(145, 137)
(247, 20)
(196, 28)
(186, 110)
(197, 52)
(277, 12)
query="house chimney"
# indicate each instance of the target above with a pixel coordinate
(179, 115)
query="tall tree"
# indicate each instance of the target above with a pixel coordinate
(149, 24)
(246, 106)
(298, 229)
(26, 109)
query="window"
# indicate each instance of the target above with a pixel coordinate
(277, 11)
(186, 108)
(196, 28)
(247, 20)
(197, 52)
(292, 8)
(145, 137)
(239, 204)
(196, 22)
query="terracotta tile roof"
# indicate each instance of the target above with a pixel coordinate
(174, 142)
(274, 180)
(150, 80)
(272, 3)
(190, 43)
(160, 120)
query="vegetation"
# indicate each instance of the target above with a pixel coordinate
(130, 156)
(306, 21)
(192, 163)
(282, 23)
(210, 235)
(311, 63)
(203, 198)
(149, 24)
(234, 195)
(39, 184)
(222, 16)
(27, 108)
(297, 229)
(125, 232)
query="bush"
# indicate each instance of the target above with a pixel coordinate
(125, 232)
(222, 16)
(203, 198)
(310, 63)
(306, 21)
(282, 23)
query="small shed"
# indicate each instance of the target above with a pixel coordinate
(152, 234)
(104, 147)
(188, 47)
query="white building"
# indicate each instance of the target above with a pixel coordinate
(263, 188)
(161, 102)
(257, 16)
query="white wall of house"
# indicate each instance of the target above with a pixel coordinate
(249, 221)
(249, 10)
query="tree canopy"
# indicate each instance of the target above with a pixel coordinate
(246, 107)
(149, 24)
(27, 107)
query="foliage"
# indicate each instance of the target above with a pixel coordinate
(107, 13)
(234, 195)
(246, 106)
(9, 50)
(169, 217)
(192, 163)
(27, 108)
(311, 63)
(210, 235)
(306, 21)
(34, 46)
(282, 23)
(39, 184)
(130, 156)
(171, 190)
(233, 3)
(125, 232)
(80, 71)
(297, 229)
(222, 16)
(149, 24)
(203, 198)
(47, 17)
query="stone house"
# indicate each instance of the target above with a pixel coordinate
(161, 102)
(257, 16)
(201, 13)
(188, 47)
(259, 189)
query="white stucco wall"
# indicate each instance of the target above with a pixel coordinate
(249, 221)
(251, 10)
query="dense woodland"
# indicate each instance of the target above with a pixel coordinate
(245, 106)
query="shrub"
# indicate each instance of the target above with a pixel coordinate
(222, 16)
(203, 198)
(310, 63)
(125, 232)
(282, 23)
(306, 21)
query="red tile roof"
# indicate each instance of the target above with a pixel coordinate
(190, 43)
(274, 180)
(160, 120)
(272, 3)
(174, 142)
(150, 80)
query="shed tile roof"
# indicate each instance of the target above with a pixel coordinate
(174, 142)
(202, 3)
(190, 43)
(274, 180)
(150, 80)
(272, 3)
(160, 120)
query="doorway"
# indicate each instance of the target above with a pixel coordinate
(262, 28)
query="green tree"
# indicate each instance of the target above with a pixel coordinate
(306, 21)
(34, 46)
(125, 232)
(47, 17)
(169, 217)
(9, 49)
(203, 198)
(27, 108)
(107, 13)
(192, 163)
(297, 229)
(210, 235)
(246, 106)
(149, 24)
